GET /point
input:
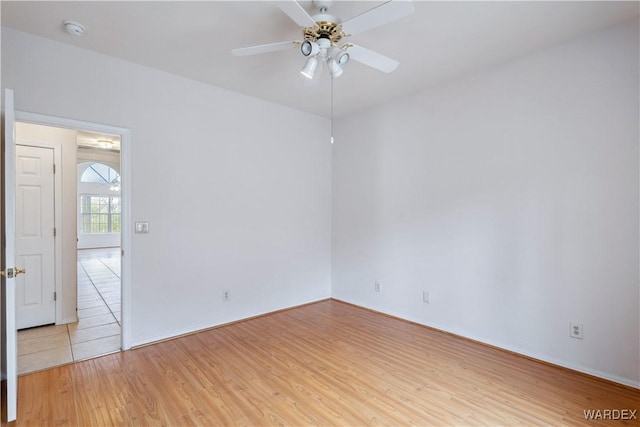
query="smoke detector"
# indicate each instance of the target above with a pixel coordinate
(74, 28)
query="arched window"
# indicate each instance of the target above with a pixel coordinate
(99, 173)
(100, 211)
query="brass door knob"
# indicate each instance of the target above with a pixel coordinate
(12, 272)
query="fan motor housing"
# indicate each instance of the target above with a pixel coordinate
(324, 29)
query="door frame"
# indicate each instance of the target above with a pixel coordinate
(125, 195)
(9, 386)
(57, 216)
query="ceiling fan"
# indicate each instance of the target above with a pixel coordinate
(322, 34)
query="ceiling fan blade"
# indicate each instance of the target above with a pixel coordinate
(296, 13)
(379, 15)
(264, 48)
(372, 59)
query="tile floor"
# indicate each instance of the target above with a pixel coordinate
(97, 331)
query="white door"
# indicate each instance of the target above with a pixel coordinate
(35, 241)
(10, 349)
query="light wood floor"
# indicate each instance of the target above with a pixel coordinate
(327, 363)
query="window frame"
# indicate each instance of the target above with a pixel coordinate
(109, 214)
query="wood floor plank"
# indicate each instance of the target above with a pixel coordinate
(103, 392)
(328, 363)
(58, 408)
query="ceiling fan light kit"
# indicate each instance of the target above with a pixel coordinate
(323, 32)
(308, 47)
(341, 57)
(335, 69)
(309, 67)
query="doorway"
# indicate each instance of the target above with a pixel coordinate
(82, 328)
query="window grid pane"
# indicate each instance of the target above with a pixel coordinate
(100, 214)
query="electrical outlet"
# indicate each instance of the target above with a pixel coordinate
(575, 330)
(226, 295)
(426, 297)
(376, 287)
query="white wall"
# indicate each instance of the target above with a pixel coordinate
(512, 197)
(236, 190)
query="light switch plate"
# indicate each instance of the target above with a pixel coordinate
(142, 227)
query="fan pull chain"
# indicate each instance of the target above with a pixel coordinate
(331, 109)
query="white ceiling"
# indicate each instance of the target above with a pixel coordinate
(98, 140)
(438, 42)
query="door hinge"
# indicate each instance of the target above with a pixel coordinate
(54, 168)
(54, 232)
(55, 296)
